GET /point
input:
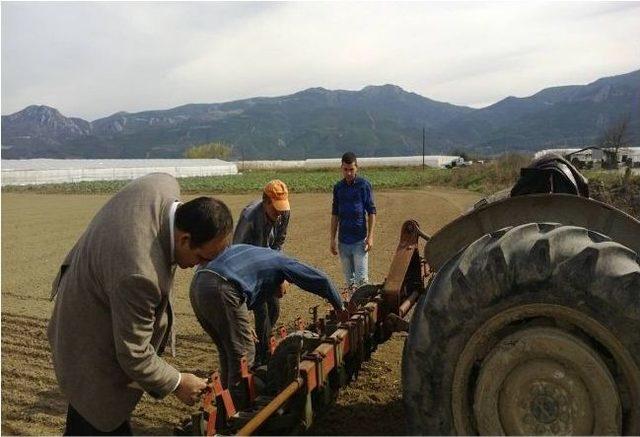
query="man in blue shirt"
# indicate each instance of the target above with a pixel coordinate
(352, 198)
(236, 281)
(264, 223)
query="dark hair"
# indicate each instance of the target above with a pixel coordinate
(204, 218)
(349, 158)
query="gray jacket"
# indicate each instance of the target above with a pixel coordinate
(254, 228)
(112, 314)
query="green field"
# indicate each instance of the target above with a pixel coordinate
(480, 178)
(301, 181)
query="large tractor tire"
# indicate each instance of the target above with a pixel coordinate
(533, 329)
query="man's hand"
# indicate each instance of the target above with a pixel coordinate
(334, 247)
(190, 388)
(368, 244)
(282, 290)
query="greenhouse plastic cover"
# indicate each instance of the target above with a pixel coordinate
(383, 161)
(52, 171)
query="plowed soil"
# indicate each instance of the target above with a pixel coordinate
(38, 230)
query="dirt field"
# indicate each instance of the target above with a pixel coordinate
(38, 230)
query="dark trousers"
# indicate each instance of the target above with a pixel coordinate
(78, 425)
(266, 316)
(222, 312)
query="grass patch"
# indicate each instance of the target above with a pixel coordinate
(301, 181)
(621, 190)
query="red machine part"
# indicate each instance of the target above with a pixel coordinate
(214, 399)
(382, 315)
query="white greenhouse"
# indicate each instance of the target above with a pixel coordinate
(385, 161)
(53, 171)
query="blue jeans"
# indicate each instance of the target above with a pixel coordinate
(355, 263)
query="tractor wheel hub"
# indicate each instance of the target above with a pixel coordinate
(545, 381)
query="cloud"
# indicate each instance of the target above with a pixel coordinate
(93, 59)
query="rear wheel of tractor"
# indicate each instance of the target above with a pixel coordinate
(533, 329)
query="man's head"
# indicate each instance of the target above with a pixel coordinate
(202, 230)
(349, 166)
(275, 198)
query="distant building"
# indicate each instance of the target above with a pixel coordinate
(437, 161)
(597, 157)
(630, 156)
(563, 152)
(588, 157)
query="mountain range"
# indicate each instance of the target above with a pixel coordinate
(315, 123)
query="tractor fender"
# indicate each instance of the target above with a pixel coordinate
(566, 209)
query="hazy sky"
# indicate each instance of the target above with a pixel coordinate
(90, 60)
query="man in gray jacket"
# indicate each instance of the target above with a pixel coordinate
(112, 316)
(264, 223)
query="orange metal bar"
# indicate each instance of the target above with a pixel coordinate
(257, 421)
